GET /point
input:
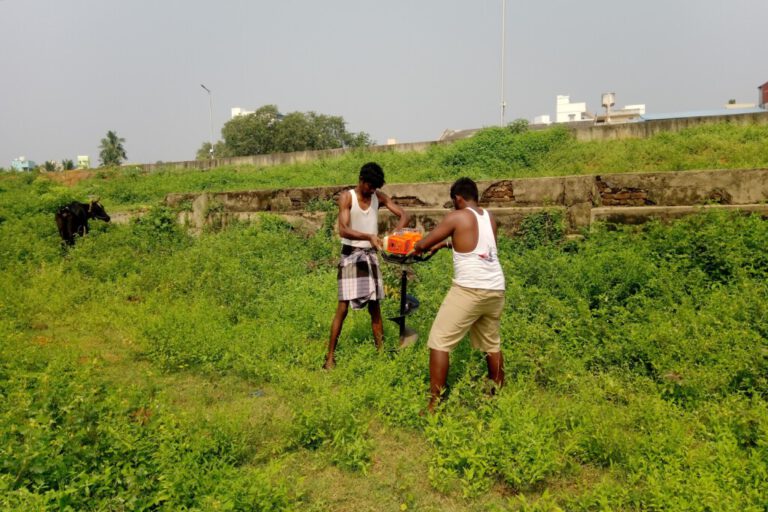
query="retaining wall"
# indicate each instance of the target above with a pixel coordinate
(628, 198)
(582, 132)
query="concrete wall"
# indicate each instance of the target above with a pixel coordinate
(296, 157)
(582, 199)
(646, 129)
(582, 132)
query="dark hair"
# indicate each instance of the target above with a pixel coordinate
(373, 174)
(465, 188)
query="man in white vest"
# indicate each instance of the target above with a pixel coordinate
(475, 301)
(359, 275)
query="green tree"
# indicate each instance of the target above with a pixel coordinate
(268, 131)
(252, 134)
(49, 166)
(219, 151)
(112, 150)
(518, 126)
(67, 164)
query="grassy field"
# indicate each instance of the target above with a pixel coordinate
(146, 369)
(493, 153)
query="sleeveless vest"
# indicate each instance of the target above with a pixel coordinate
(479, 268)
(365, 221)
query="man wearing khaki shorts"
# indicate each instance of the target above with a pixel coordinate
(476, 299)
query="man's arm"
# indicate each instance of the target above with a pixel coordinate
(434, 239)
(386, 201)
(493, 226)
(345, 206)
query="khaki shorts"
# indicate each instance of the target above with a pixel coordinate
(468, 309)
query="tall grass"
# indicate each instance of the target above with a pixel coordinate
(637, 364)
(492, 153)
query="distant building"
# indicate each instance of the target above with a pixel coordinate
(391, 141)
(763, 96)
(83, 162)
(450, 135)
(567, 112)
(237, 111)
(627, 114)
(702, 113)
(22, 164)
(732, 105)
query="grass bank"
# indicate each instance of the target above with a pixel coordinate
(148, 370)
(492, 153)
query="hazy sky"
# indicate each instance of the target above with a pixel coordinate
(404, 69)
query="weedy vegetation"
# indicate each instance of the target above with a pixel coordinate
(512, 152)
(146, 369)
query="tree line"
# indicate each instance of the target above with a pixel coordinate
(268, 131)
(262, 132)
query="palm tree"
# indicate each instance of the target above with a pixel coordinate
(112, 150)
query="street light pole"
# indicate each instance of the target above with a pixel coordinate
(503, 47)
(210, 111)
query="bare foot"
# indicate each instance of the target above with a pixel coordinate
(431, 406)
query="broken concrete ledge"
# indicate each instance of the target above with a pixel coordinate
(642, 214)
(622, 198)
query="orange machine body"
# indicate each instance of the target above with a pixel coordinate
(402, 242)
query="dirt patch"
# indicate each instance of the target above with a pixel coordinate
(69, 178)
(611, 195)
(500, 192)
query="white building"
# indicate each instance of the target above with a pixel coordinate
(627, 114)
(736, 106)
(22, 164)
(640, 108)
(567, 112)
(237, 111)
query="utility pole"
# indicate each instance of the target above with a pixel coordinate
(503, 48)
(210, 111)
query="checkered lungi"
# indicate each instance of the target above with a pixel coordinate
(359, 276)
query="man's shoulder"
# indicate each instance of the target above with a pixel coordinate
(464, 213)
(345, 198)
(455, 218)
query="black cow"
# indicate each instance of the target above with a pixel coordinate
(72, 219)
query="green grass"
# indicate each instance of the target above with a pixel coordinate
(149, 370)
(491, 154)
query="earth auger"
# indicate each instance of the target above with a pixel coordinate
(408, 303)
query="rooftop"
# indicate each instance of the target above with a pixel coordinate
(703, 113)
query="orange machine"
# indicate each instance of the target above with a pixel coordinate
(401, 241)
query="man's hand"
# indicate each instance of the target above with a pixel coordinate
(417, 249)
(376, 242)
(441, 245)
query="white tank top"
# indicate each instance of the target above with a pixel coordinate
(479, 268)
(365, 221)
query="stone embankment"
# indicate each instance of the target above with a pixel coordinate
(617, 198)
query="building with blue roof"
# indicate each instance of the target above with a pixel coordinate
(702, 113)
(22, 164)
